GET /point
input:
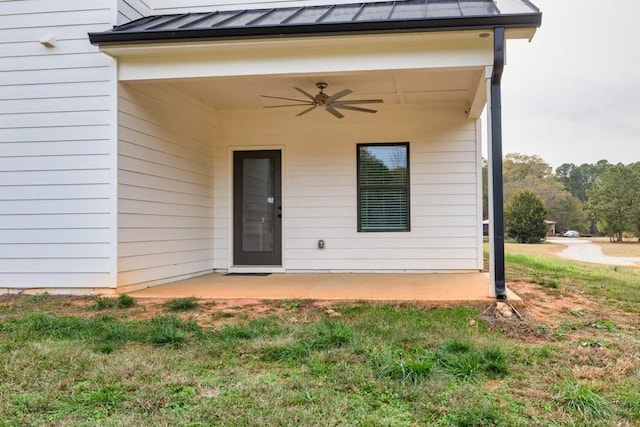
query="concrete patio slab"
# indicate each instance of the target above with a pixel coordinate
(465, 287)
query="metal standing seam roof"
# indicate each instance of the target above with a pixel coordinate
(365, 17)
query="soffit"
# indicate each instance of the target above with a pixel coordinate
(455, 86)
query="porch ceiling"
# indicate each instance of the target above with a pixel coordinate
(393, 86)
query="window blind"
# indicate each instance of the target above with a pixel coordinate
(383, 187)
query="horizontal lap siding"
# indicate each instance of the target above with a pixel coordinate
(129, 10)
(165, 190)
(56, 150)
(320, 191)
(223, 203)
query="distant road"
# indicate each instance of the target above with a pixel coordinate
(587, 251)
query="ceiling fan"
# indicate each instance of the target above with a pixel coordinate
(328, 102)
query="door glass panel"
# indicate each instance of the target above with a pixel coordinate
(258, 210)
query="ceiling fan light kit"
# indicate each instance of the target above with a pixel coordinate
(330, 103)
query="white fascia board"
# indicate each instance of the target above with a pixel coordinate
(520, 33)
(479, 98)
(301, 55)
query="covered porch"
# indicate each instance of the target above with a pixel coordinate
(196, 94)
(445, 288)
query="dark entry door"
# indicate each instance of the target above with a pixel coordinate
(257, 208)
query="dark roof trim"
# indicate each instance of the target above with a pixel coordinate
(367, 17)
(446, 24)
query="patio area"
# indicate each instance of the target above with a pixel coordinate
(450, 288)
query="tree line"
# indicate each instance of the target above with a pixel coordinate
(598, 199)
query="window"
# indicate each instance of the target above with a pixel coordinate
(383, 187)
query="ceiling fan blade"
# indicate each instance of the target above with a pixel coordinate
(286, 99)
(338, 95)
(333, 111)
(286, 105)
(349, 107)
(307, 110)
(362, 101)
(308, 95)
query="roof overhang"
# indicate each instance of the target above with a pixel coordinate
(408, 16)
(455, 41)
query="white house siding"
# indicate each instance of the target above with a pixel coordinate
(56, 151)
(165, 185)
(319, 167)
(129, 10)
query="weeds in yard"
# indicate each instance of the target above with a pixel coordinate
(181, 304)
(455, 357)
(465, 362)
(495, 362)
(292, 352)
(326, 334)
(90, 402)
(409, 370)
(236, 332)
(546, 282)
(167, 335)
(331, 334)
(290, 304)
(584, 400)
(591, 342)
(103, 333)
(456, 346)
(109, 396)
(267, 326)
(121, 301)
(63, 327)
(36, 298)
(560, 332)
(630, 401)
(484, 415)
(603, 324)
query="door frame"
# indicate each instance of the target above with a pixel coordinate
(239, 268)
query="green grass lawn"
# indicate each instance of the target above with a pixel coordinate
(74, 361)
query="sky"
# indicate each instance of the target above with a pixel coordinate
(572, 94)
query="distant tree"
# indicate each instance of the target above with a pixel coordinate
(635, 209)
(529, 172)
(532, 172)
(524, 217)
(521, 167)
(614, 199)
(571, 215)
(579, 179)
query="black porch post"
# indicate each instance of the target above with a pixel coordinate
(496, 166)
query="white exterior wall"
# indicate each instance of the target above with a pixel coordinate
(57, 114)
(320, 191)
(165, 185)
(129, 10)
(64, 223)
